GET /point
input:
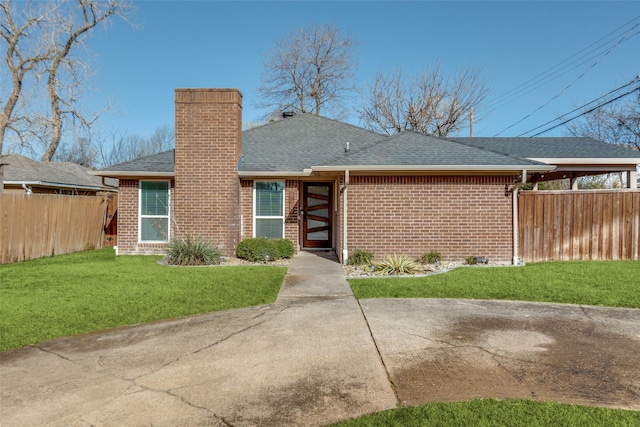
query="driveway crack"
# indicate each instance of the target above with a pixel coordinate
(477, 347)
(586, 314)
(218, 342)
(384, 365)
(218, 417)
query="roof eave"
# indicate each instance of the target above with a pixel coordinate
(267, 174)
(131, 174)
(586, 161)
(436, 168)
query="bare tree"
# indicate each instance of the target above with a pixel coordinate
(24, 51)
(616, 124)
(309, 71)
(44, 46)
(162, 139)
(123, 148)
(427, 103)
(82, 152)
(62, 92)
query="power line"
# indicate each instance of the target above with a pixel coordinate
(624, 37)
(586, 112)
(581, 107)
(541, 77)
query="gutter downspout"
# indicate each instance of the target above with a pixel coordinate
(516, 237)
(27, 189)
(345, 251)
(514, 197)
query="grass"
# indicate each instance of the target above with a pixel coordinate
(75, 293)
(494, 413)
(604, 283)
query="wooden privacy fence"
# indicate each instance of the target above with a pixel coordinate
(579, 225)
(38, 225)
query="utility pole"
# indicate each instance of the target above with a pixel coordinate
(471, 117)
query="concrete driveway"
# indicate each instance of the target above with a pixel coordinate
(317, 356)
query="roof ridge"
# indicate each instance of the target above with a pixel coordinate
(314, 117)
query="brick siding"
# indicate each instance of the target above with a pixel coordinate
(291, 210)
(246, 199)
(208, 136)
(458, 216)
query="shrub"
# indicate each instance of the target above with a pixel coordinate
(284, 247)
(263, 249)
(431, 257)
(396, 264)
(190, 251)
(360, 257)
(471, 260)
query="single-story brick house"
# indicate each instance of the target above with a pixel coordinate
(331, 185)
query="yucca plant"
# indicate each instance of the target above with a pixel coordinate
(396, 264)
(189, 251)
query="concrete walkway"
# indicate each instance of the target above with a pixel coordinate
(314, 276)
(316, 357)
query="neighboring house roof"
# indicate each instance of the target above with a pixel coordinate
(547, 148)
(18, 170)
(305, 143)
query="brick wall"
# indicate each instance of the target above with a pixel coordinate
(291, 210)
(128, 207)
(458, 216)
(208, 136)
(246, 198)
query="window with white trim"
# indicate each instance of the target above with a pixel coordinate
(154, 211)
(268, 209)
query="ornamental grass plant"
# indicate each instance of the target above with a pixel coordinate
(395, 264)
(190, 251)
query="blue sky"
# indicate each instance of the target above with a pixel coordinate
(222, 44)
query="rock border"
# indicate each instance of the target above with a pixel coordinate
(232, 261)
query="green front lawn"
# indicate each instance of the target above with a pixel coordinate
(605, 283)
(75, 293)
(494, 413)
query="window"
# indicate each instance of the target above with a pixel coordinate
(268, 203)
(154, 211)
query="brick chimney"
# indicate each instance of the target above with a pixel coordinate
(208, 142)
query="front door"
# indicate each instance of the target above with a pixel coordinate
(317, 211)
